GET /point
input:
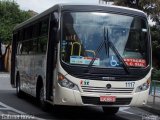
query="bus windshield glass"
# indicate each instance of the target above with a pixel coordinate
(86, 36)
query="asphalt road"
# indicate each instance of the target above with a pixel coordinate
(11, 106)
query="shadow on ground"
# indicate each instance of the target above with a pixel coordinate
(72, 112)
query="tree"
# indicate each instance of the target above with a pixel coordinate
(10, 16)
(155, 38)
(151, 7)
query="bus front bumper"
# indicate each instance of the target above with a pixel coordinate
(65, 96)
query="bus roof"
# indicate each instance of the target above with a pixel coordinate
(84, 7)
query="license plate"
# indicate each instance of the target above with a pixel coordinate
(107, 99)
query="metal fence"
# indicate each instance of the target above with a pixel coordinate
(155, 89)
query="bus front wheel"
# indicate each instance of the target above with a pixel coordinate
(41, 98)
(110, 110)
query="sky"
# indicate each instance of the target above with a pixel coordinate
(41, 5)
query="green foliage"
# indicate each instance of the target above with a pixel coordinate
(155, 33)
(156, 75)
(10, 16)
(126, 3)
(151, 7)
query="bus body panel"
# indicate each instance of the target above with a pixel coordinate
(31, 67)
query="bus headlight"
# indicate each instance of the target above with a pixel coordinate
(144, 86)
(64, 82)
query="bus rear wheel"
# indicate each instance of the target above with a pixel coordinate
(110, 110)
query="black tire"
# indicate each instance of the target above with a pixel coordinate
(110, 110)
(20, 94)
(41, 99)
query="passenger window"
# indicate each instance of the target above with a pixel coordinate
(44, 27)
(42, 44)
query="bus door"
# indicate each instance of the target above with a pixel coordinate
(51, 56)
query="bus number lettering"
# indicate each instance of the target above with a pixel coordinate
(130, 84)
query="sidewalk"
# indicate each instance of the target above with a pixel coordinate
(5, 81)
(153, 107)
(4, 75)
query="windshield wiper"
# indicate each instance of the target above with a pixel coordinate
(111, 45)
(108, 44)
(93, 59)
(119, 57)
(97, 52)
(106, 41)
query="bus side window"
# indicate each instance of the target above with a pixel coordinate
(43, 37)
(35, 32)
(32, 46)
(24, 48)
(21, 35)
(44, 27)
(19, 48)
(27, 47)
(28, 32)
(42, 44)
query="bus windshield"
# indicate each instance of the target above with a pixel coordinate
(84, 35)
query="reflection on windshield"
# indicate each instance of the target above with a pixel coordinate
(83, 35)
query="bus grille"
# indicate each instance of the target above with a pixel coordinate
(105, 90)
(96, 101)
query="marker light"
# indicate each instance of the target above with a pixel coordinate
(64, 82)
(144, 86)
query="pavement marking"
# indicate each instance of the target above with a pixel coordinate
(3, 108)
(123, 109)
(10, 108)
(6, 107)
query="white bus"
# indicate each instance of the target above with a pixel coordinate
(84, 55)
